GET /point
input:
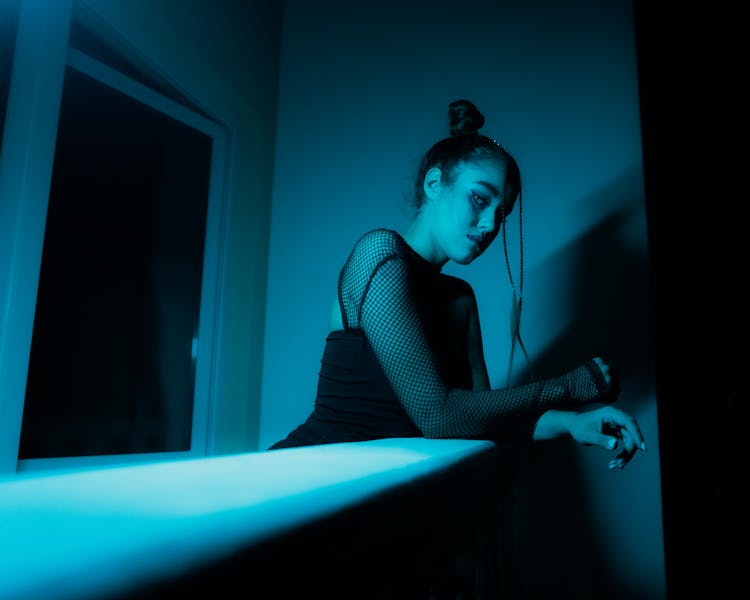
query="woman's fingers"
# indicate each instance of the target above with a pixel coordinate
(611, 378)
(628, 449)
(628, 444)
(604, 368)
(626, 429)
(611, 429)
(620, 421)
(608, 441)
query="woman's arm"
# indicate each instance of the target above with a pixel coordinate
(605, 427)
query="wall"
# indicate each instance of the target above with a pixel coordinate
(224, 56)
(363, 92)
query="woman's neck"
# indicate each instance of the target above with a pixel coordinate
(419, 237)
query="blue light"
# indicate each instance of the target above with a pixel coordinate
(92, 532)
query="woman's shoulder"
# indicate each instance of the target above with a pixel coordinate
(379, 244)
(456, 287)
(381, 235)
(371, 252)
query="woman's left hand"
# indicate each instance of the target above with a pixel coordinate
(611, 429)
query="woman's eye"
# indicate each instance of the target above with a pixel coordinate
(478, 200)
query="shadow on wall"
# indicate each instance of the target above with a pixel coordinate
(607, 276)
(559, 547)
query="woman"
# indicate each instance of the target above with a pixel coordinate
(404, 354)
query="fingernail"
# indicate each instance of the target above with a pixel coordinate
(643, 446)
(612, 443)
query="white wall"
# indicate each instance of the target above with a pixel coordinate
(224, 56)
(364, 89)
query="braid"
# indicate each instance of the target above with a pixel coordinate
(517, 301)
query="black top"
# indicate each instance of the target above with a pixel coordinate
(354, 399)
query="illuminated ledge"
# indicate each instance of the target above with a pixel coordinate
(102, 532)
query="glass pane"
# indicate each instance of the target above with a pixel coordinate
(111, 368)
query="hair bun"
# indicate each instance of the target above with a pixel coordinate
(464, 118)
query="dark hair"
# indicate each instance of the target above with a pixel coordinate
(466, 144)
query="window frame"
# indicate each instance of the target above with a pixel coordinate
(41, 57)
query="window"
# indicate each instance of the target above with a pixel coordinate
(120, 344)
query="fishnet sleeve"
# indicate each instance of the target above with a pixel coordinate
(376, 296)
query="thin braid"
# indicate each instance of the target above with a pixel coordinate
(505, 238)
(517, 292)
(505, 248)
(520, 242)
(520, 235)
(520, 282)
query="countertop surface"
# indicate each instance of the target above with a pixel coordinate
(94, 532)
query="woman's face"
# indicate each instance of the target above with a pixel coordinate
(466, 213)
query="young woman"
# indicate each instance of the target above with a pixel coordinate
(404, 354)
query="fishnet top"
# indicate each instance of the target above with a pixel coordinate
(378, 294)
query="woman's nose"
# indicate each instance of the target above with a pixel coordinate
(487, 221)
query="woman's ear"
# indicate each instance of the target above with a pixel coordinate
(432, 183)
